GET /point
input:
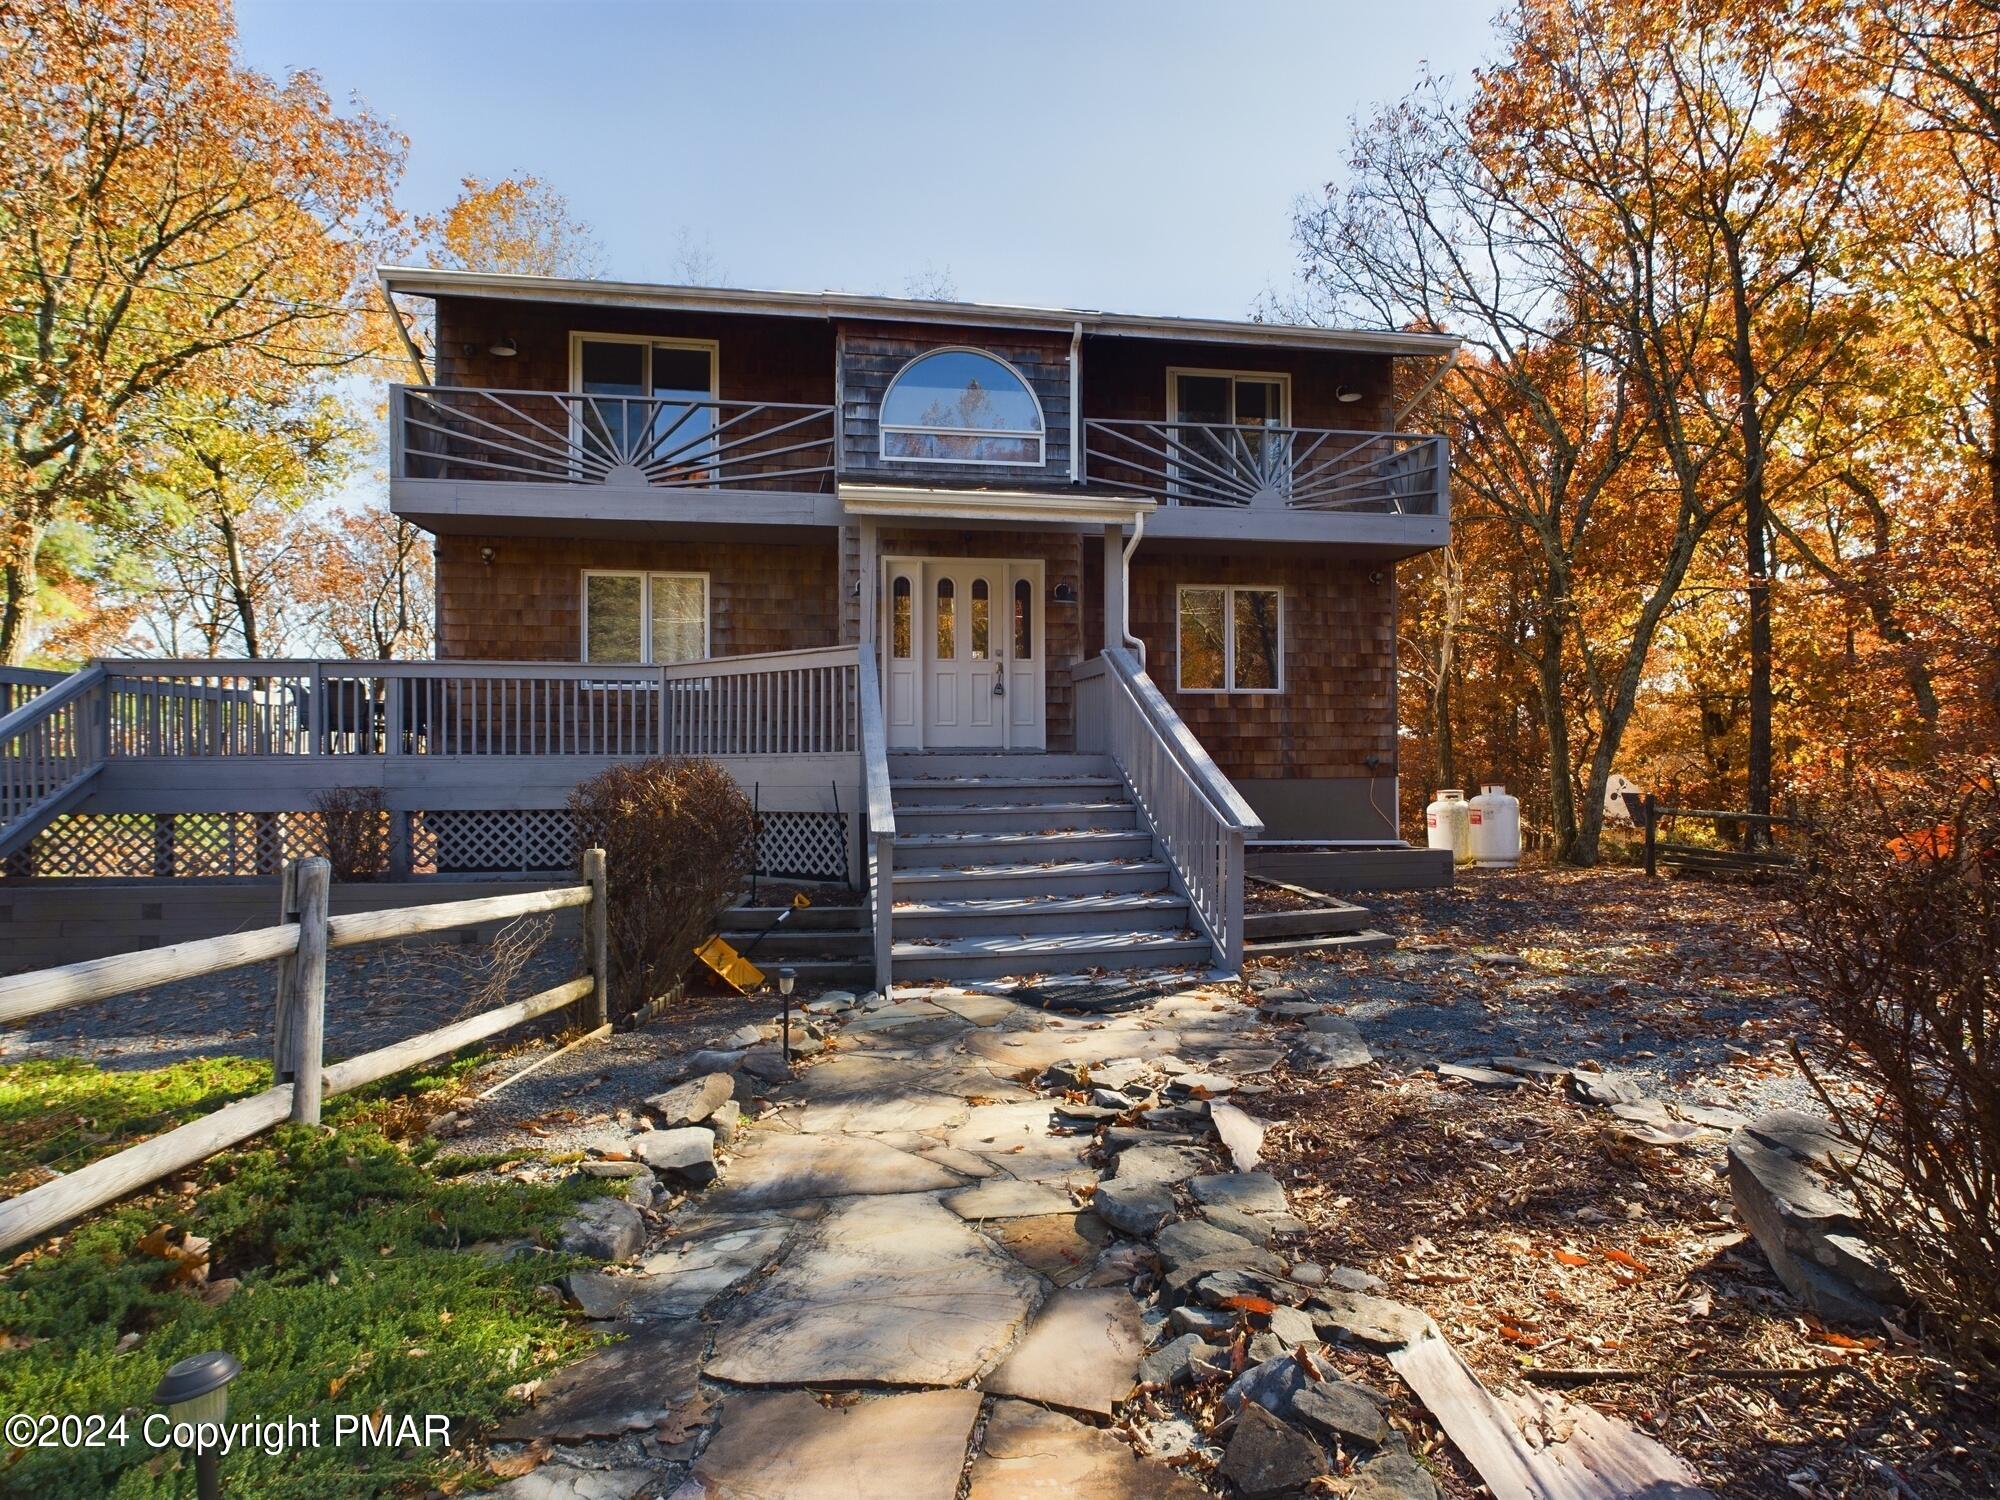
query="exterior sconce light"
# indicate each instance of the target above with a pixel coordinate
(1064, 594)
(195, 1393)
(486, 556)
(786, 979)
(503, 348)
(1347, 395)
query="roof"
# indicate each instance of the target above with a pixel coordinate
(418, 281)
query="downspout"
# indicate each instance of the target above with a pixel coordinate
(1076, 403)
(396, 317)
(1428, 386)
(1125, 591)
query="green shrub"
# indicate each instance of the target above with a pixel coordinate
(678, 839)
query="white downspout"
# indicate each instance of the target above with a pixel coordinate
(1125, 591)
(1076, 403)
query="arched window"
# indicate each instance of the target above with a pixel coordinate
(1024, 620)
(961, 406)
(947, 621)
(981, 621)
(899, 609)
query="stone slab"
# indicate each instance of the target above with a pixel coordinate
(682, 1280)
(896, 1290)
(1006, 1198)
(1246, 1192)
(1029, 1453)
(777, 1169)
(786, 1446)
(621, 1388)
(1063, 1247)
(1081, 1353)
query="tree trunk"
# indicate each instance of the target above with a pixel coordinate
(1555, 722)
(1756, 540)
(239, 589)
(17, 610)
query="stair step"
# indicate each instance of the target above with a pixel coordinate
(922, 765)
(1364, 941)
(1016, 790)
(1152, 911)
(1016, 817)
(1044, 953)
(947, 849)
(1068, 877)
(793, 943)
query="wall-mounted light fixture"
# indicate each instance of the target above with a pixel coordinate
(505, 348)
(1064, 594)
(486, 556)
(1347, 395)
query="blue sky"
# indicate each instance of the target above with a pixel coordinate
(1134, 157)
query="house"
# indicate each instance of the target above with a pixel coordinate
(1032, 619)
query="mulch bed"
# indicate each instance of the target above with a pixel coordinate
(1539, 1239)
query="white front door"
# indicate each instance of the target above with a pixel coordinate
(962, 654)
(965, 703)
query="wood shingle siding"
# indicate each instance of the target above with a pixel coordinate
(527, 604)
(871, 354)
(1338, 705)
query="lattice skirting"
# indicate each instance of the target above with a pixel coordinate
(535, 841)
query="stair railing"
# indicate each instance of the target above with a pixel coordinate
(1196, 815)
(50, 749)
(880, 828)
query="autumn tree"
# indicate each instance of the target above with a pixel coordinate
(520, 225)
(173, 222)
(367, 585)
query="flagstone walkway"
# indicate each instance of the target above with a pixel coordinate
(897, 1278)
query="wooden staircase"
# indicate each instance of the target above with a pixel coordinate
(1020, 864)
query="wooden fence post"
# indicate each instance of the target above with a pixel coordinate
(1652, 811)
(596, 1007)
(300, 1025)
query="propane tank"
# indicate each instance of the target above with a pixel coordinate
(1494, 828)
(1446, 826)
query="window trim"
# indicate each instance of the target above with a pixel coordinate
(1282, 377)
(1228, 592)
(579, 336)
(645, 577)
(1040, 435)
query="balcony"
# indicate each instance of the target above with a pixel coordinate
(1289, 468)
(470, 458)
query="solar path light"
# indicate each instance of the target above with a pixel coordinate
(196, 1391)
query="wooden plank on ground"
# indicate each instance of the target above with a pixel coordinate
(1577, 1453)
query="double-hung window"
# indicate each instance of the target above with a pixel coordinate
(1228, 432)
(1230, 639)
(654, 618)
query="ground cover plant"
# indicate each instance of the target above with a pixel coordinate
(338, 1270)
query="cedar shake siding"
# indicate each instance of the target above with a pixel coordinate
(1338, 705)
(871, 355)
(527, 604)
(1126, 379)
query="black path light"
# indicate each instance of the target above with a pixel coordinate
(786, 979)
(195, 1393)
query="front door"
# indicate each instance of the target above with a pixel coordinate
(962, 657)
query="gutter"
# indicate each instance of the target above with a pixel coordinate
(396, 317)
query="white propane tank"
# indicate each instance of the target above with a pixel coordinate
(1446, 825)
(1495, 831)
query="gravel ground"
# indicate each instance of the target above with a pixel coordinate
(1681, 981)
(374, 996)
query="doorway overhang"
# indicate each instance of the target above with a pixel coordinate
(906, 502)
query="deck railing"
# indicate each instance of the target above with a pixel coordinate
(50, 749)
(775, 704)
(1295, 468)
(20, 685)
(880, 849)
(1199, 819)
(560, 437)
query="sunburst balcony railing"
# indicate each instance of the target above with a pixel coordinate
(1294, 468)
(561, 437)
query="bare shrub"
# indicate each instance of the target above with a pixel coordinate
(355, 825)
(1899, 940)
(678, 840)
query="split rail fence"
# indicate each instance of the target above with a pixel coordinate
(301, 1077)
(1760, 855)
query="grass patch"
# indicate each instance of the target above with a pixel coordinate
(357, 1293)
